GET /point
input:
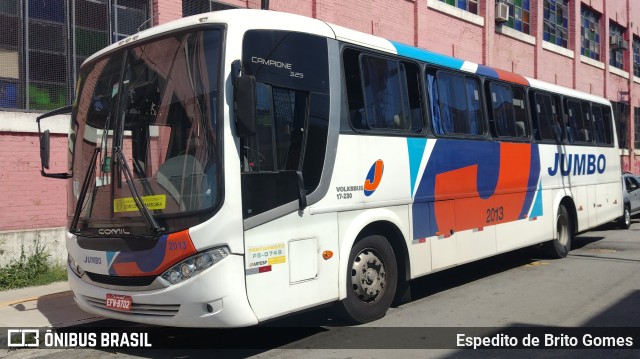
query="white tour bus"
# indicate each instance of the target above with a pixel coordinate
(236, 166)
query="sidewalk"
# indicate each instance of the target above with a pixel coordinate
(49, 305)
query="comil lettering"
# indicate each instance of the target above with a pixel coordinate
(113, 231)
(577, 164)
(269, 62)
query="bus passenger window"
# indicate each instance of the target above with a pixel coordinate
(509, 111)
(354, 89)
(585, 134)
(607, 124)
(547, 122)
(385, 93)
(578, 122)
(602, 125)
(455, 105)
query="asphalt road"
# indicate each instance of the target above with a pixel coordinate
(597, 285)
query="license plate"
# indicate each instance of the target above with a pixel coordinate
(119, 302)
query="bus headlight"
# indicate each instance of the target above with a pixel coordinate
(194, 265)
(75, 267)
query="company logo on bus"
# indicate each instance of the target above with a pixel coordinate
(373, 178)
(577, 164)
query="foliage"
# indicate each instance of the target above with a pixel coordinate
(30, 270)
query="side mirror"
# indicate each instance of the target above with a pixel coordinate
(245, 105)
(45, 148)
(45, 144)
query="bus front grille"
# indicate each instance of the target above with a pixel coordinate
(162, 310)
(121, 281)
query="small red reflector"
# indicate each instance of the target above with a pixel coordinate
(534, 218)
(264, 269)
(422, 240)
(447, 235)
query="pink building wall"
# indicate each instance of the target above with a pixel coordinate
(31, 201)
(429, 34)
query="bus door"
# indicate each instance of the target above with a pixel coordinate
(288, 261)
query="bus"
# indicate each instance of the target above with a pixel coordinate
(237, 166)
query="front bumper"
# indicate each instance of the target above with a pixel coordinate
(214, 298)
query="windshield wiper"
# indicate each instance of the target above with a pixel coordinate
(142, 207)
(83, 192)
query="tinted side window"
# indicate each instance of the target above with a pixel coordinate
(578, 121)
(586, 133)
(289, 146)
(632, 184)
(280, 125)
(509, 117)
(383, 93)
(455, 103)
(602, 124)
(547, 124)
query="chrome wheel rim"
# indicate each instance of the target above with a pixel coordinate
(627, 217)
(563, 231)
(368, 276)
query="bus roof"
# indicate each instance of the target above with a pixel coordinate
(238, 18)
(263, 19)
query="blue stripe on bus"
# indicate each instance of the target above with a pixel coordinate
(487, 71)
(427, 56)
(534, 177)
(536, 210)
(416, 148)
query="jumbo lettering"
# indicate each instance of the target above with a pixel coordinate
(577, 164)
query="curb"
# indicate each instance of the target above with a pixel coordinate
(31, 299)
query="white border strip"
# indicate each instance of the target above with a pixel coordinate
(592, 62)
(616, 71)
(26, 122)
(515, 34)
(455, 12)
(558, 49)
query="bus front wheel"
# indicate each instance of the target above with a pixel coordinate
(560, 246)
(372, 278)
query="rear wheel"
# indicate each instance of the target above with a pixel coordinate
(560, 246)
(372, 278)
(625, 220)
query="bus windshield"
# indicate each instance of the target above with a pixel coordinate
(145, 117)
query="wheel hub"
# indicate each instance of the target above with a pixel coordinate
(368, 276)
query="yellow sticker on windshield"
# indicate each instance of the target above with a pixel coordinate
(129, 204)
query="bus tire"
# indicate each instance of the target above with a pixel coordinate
(625, 220)
(372, 278)
(561, 245)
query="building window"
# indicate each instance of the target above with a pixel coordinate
(194, 7)
(590, 33)
(621, 114)
(43, 43)
(636, 56)
(636, 121)
(617, 45)
(466, 5)
(519, 18)
(556, 22)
